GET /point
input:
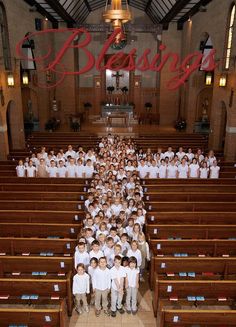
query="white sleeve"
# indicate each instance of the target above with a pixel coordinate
(87, 284)
(148, 251)
(74, 290)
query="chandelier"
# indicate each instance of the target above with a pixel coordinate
(116, 14)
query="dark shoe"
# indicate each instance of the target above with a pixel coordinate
(113, 314)
(107, 312)
(128, 311)
(97, 313)
(134, 312)
(121, 311)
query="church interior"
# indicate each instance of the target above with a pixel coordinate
(117, 163)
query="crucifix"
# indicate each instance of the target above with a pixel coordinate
(117, 77)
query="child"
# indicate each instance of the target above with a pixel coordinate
(118, 274)
(129, 228)
(20, 169)
(61, 170)
(81, 255)
(204, 170)
(214, 170)
(101, 286)
(136, 231)
(135, 252)
(109, 250)
(81, 288)
(125, 246)
(132, 285)
(96, 252)
(52, 170)
(145, 252)
(91, 271)
(113, 234)
(30, 170)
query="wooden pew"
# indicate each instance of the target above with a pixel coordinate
(201, 217)
(38, 230)
(43, 195)
(156, 231)
(35, 246)
(53, 266)
(53, 315)
(45, 289)
(191, 188)
(188, 181)
(204, 268)
(201, 318)
(212, 291)
(191, 206)
(190, 197)
(42, 205)
(211, 248)
(34, 187)
(44, 181)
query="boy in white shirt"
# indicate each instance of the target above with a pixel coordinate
(81, 288)
(172, 170)
(30, 170)
(132, 285)
(80, 169)
(214, 170)
(143, 169)
(96, 252)
(81, 255)
(70, 152)
(153, 170)
(71, 169)
(20, 169)
(169, 153)
(61, 170)
(52, 170)
(101, 286)
(88, 169)
(118, 274)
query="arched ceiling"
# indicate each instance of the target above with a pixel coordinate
(160, 11)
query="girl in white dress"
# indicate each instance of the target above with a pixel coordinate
(183, 169)
(204, 170)
(194, 169)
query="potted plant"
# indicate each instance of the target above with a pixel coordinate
(148, 106)
(110, 89)
(87, 105)
(124, 89)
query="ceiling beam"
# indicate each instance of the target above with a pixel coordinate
(60, 10)
(192, 12)
(178, 6)
(87, 5)
(148, 5)
(43, 12)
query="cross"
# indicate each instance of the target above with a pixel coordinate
(117, 76)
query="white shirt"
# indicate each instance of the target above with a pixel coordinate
(97, 255)
(117, 274)
(136, 254)
(162, 171)
(131, 275)
(20, 171)
(116, 209)
(153, 171)
(52, 171)
(125, 246)
(180, 155)
(193, 170)
(190, 156)
(169, 154)
(108, 253)
(30, 171)
(79, 171)
(81, 284)
(88, 170)
(183, 171)
(172, 171)
(143, 170)
(102, 279)
(204, 172)
(81, 257)
(61, 171)
(91, 272)
(71, 153)
(214, 171)
(71, 170)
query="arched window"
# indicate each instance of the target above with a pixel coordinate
(229, 36)
(5, 38)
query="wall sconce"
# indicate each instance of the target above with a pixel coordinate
(98, 84)
(25, 78)
(10, 80)
(209, 78)
(223, 80)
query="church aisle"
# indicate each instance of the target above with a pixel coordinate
(144, 317)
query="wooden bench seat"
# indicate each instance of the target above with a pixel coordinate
(42, 205)
(200, 318)
(187, 181)
(181, 290)
(34, 187)
(156, 231)
(193, 247)
(204, 268)
(45, 289)
(186, 217)
(190, 206)
(53, 315)
(44, 181)
(36, 246)
(186, 188)
(44, 195)
(190, 197)
(38, 230)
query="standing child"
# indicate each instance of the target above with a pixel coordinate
(135, 252)
(145, 253)
(81, 255)
(101, 286)
(20, 169)
(132, 285)
(81, 288)
(91, 271)
(118, 274)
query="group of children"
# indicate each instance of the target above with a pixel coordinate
(120, 162)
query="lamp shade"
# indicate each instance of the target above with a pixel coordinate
(208, 78)
(25, 78)
(223, 80)
(10, 80)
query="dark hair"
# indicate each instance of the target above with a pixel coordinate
(94, 259)
(95, 242)
(133, 260)
(118, 257)
(80, 265)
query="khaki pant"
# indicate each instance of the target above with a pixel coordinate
(78, 299)
(131, 298)
(101, 296)
(116, 300)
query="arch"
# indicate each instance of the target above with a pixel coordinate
(204, 104)
(5, 38)
(223, 123)
(13, 125)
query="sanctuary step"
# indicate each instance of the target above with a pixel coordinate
(115, 121)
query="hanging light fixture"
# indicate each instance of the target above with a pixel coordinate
(223, 80)
(209, 78)
(25, 78)
(116, 14)
(10, 80)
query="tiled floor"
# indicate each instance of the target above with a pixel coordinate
(144, 317)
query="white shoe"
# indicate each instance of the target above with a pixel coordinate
(86, 309)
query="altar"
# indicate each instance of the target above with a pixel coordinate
(113, 109)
